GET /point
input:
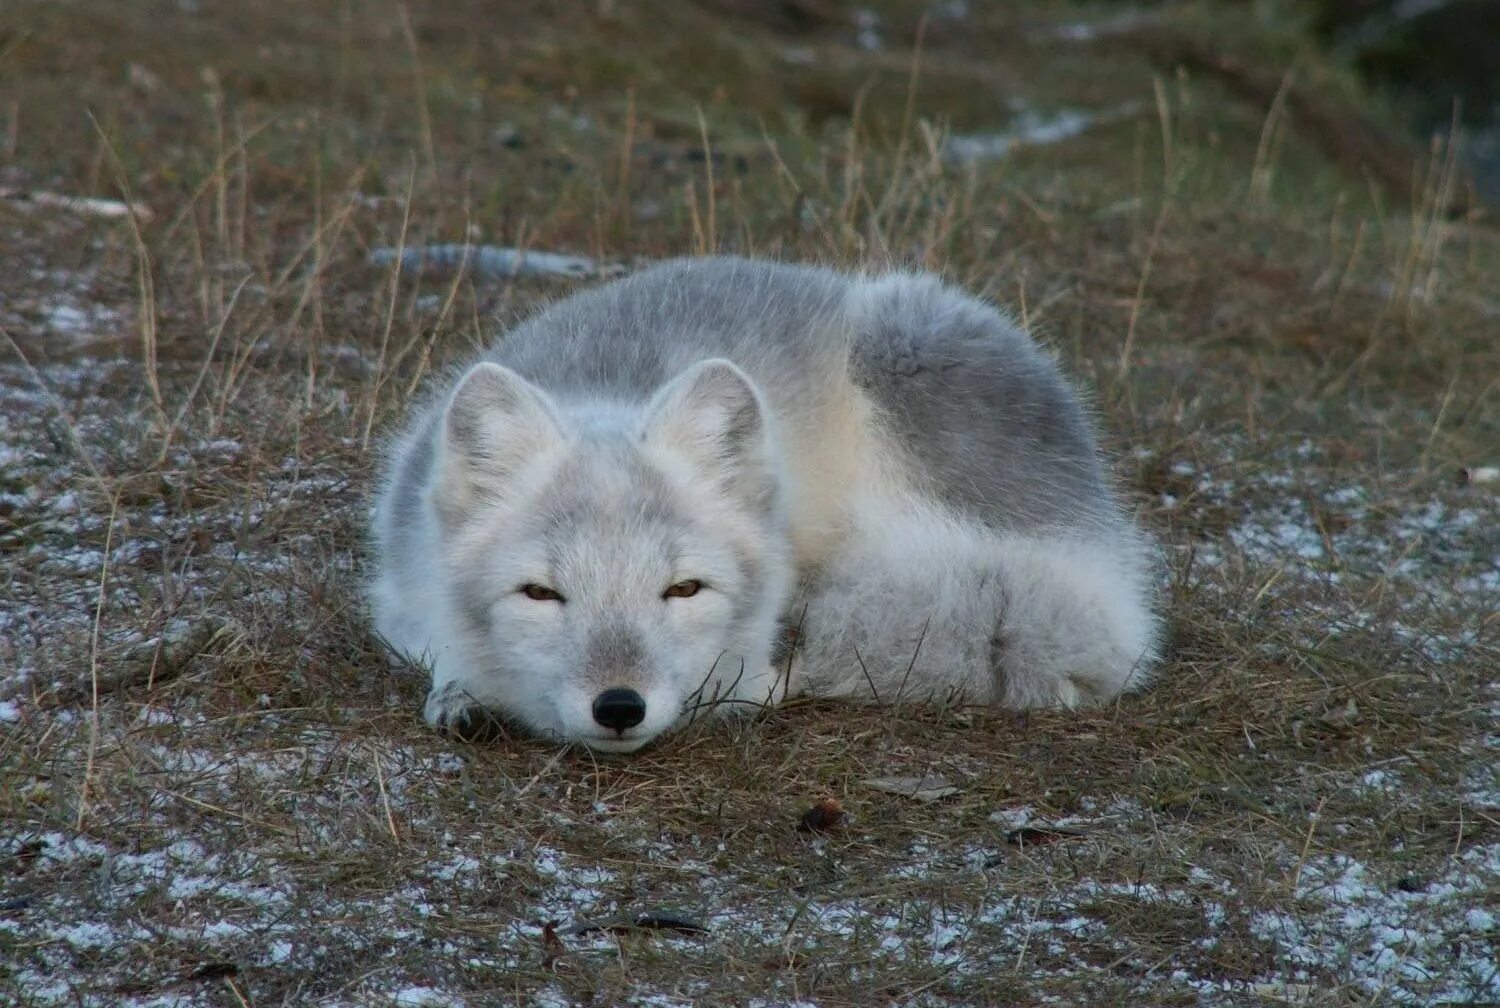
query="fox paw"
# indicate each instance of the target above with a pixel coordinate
(453, 711)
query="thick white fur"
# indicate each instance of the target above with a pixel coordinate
(915, 601)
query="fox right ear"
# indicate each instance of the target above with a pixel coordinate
(496, 422)
(712, 415)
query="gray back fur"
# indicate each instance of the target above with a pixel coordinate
(969, 399)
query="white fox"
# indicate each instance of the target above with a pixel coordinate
(617, 517)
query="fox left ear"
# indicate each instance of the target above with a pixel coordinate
(712, 414)
(495, 423)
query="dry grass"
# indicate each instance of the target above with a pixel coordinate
(212, 790)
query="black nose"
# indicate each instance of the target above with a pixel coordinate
(619, 708)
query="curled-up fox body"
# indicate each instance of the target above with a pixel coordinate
(605, 526)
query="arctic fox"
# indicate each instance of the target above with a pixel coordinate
(619, 516)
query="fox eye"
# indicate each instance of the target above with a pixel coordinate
(683, 589)
(540, 593)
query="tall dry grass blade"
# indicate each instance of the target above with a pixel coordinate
(711, 226)
(429, 339)
(93, 749)
(419, 85)
(394, 283)
(145, 279)
(908, 113)
(203, 369)
(1262, 169)
(385, 797)
(695, 220)
(1164, 116)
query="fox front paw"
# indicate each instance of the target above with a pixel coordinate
(453, 711)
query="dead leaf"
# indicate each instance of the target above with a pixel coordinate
(1040, 836)
(646, 920)
(824, 817)
(552, 947)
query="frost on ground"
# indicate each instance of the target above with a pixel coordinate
(1329, 541)
(91, 910)
(1412, 940)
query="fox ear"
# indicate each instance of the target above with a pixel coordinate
(712, 416)
(496, 421)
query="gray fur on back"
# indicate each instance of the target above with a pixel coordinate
(966, 396)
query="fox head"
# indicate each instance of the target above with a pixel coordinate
(614, 569)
